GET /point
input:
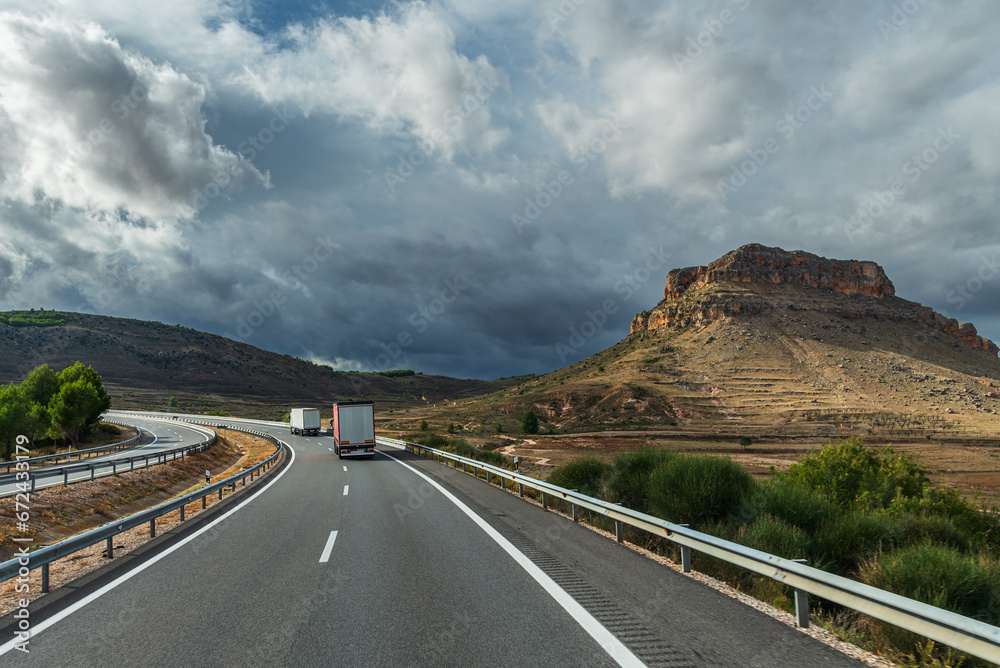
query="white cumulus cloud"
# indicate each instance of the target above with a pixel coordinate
(396, 73)
(97, 126)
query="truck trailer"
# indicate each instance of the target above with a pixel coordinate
(305, 421)
(354, 428)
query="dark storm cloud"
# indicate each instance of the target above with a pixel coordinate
(394, 235)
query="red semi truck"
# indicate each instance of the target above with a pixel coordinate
(354, 428)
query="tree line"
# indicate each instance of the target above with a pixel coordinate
(51, 405)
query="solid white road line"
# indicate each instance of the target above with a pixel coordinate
(345, 489)
(58, 617)
(607, 640)
(325, 557)
(345, 468)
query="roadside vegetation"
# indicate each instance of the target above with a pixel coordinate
(864, 513)
(48, 407)
(462, 448)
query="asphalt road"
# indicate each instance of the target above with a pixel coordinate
(428, 567)
(160, 436)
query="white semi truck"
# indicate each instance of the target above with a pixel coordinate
(354, 428)
(305, 421)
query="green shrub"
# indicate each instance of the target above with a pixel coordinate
(774, 536)
(698, 489)
(840, 544)
(529, 423)
(627, 482)
(462, 448)
(434, 441)
(921, 529)
(851, 474)
(450, 428)
(798, 506)
(423, 425)
(978, 525)
(584, 474)
(939, 576)
(491, 457)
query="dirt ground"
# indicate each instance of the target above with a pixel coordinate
(58, 513)
(972, 468)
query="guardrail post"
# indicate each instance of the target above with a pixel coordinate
(114, 467)
(576, 512)
(33, 480)
(520, 489)
(801, 609)
(182, 513)
(65, 478)
(45, 578)
(503, 482)
(110, 547)
(131, 463)
(203, 502)
(152, 528)
(545, 501)
(685, 558)
(619, 531)
(220, 494)
(801, 603)
(91, 471)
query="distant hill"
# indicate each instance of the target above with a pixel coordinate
(144, 363)
(768, 342)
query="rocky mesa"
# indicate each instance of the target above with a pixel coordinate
(756, 279)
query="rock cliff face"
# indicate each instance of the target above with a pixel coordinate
(748, 281)
(755, 263)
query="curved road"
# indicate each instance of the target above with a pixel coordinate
(162, 436)
(427, 567)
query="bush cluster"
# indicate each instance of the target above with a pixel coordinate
(864, 513)
(462, 448)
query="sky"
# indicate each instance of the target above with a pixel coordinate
(483, 189)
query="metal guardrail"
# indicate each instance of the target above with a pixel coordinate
(90, 452)
(110, 467)
(962, 633)
(43, 557)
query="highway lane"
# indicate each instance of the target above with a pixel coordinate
(160, 436)
(411, 579)
(682, 622)
(253, 589)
